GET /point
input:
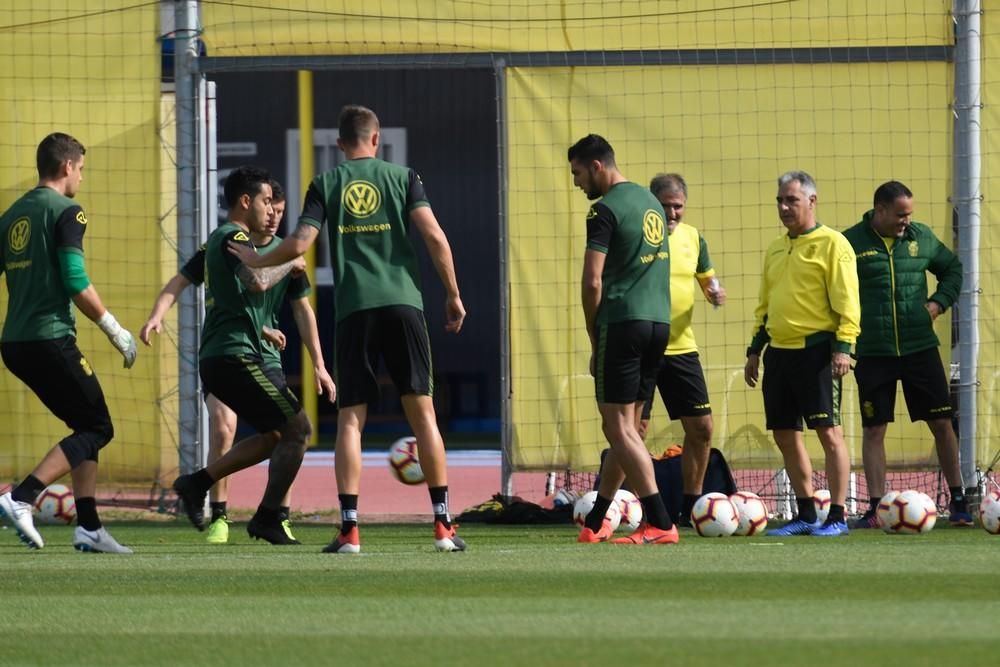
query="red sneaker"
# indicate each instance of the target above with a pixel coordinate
(647, 534)
(445, 539)
(344, 544)
(587, 536)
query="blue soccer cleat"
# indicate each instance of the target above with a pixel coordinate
(795, 527)
(833, 529)
(960, 519)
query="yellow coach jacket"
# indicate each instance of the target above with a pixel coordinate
(808, 293)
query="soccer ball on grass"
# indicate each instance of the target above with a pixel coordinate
(910, 513)
(821, 498)
(989, 513)
(585, 503)
(752, 513)
(629, 507)
(714, 515)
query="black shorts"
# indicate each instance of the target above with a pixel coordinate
(682, 387)
(799, 384)
(925, 387)
(63, 380)
(258, 394)
(397, 334)
(627, 358)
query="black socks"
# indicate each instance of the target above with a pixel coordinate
(439, 504)
(86, 514)
(348, 512)
(218, 510)
(807, 509)
(656, 512)
(597, 513)
(28, 490)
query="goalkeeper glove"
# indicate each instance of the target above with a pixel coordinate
(120, 337)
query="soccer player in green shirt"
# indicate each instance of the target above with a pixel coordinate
(368, 205)
(41, 251)
(222, 421)
(626, 306)
(232, 366)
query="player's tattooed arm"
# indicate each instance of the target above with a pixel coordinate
(262, 279)
(304, 232)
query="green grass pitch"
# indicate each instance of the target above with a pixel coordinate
(520, 596)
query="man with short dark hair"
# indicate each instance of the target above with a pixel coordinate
(626, 306)
(368, 205)
(232, 366)
(897, 341)
(807, 316)
(41, 251)
(222, 421)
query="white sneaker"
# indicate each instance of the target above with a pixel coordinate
(98, 541)
(19, 515)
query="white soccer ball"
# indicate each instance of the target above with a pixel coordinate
(989, 513)
(585, 503)
(56, 505)
(629, 507)
(714, 515)
(912, 513)
(821, 498)
(885, 511)
(404, 461)
(752, 513)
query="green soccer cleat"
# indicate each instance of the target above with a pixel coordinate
(218, 531)
(286, 525)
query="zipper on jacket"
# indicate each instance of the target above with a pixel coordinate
(892, 294)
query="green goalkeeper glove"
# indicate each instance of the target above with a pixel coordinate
(120, 337)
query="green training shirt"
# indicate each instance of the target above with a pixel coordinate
(366, 204)
(294, 287)
(234, 315)
(33, 231)
(627, 225)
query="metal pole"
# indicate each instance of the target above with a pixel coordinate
(966, 200)
(210, 220)
(506, 418)
(307, 169)
(185, 56)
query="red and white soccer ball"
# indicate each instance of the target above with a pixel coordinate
(714, 515)
(910, 513)
(630, 508)
(585, 503)
(989, 512)
(752, 513)
(404, 461)
(56, 505)
(821, 498)
(884, 511)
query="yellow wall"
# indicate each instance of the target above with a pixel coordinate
(94, 75)
(731, 131)
(352, 27)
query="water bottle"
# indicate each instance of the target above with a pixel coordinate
(713, 289)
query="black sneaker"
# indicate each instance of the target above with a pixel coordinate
(191, 499)
(270, 532)
(684, 521)
(869, 520)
